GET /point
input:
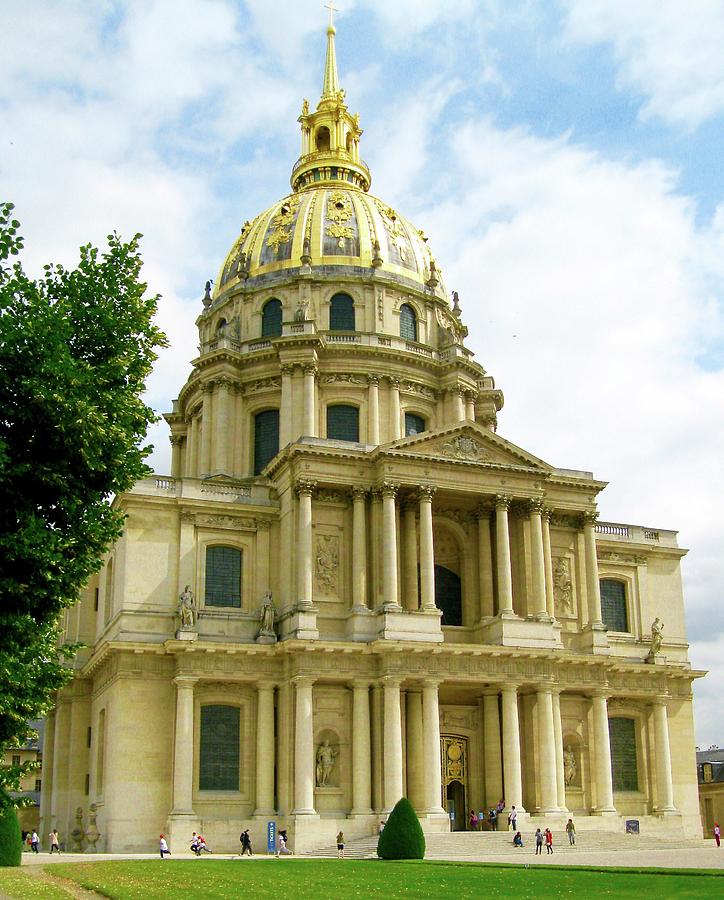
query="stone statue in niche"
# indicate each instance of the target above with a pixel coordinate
(326, 758)
(187, 609)
(657, 638)
(327, 562)
(562, 586)
(267, 614)
(570, 769)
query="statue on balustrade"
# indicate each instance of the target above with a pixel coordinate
(657, 638)
(187, 609)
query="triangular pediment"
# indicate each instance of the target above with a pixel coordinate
(468, 443)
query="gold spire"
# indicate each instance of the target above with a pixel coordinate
(331, 81)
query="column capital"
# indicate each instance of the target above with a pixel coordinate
(431, 682)
(391, 681)
(509, 687)
(660, 700)
(426, 492)
(547, 513)
(304, 486)
(224, 381)
(288, 369)
(393, 382)
(360, 684)
(310, 369)
(503, 501)
(484, 510)
(590, 517)
(373, 379)
(185, 681)
(388, 488)
(359, 494)
(300, 681)
(206, 387)
(471, 395)
(535, 505)
(263, 685)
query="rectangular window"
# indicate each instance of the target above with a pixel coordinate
(16, 759)
(622, 737)
(87, 783)
(100, 751)
(88, 736)
(343, 423)
(413, 424)
(223, 577)
(39, 785)
(708, 773)
(266, 438)
(219, 748)
(613, 604)
(95, 602)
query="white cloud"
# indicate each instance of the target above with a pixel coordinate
(669, 51)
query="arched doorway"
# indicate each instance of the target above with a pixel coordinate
(448, 596)
(454, 758)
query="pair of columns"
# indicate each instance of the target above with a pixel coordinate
(309, 403)
(390, 588)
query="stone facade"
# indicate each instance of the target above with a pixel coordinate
(438, 628)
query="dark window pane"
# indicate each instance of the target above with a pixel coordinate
(448, 596)
(414, 424)
(613, 604)
(271, 319)
(219, 750)
(622, 737)
(266, 438)
(341, 313)
(223, 577)
(343, 423)
(408, 323)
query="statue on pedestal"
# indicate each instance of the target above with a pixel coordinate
(657, 638)
(267, 614)
(570, 770)
(187, 609)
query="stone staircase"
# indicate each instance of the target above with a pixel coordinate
(471, 846)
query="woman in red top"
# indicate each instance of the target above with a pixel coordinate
(549, 841)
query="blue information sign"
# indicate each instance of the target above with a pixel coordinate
(271, 837)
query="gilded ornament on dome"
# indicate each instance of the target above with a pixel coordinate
(394, 228)
(281, 225)
(339, 212)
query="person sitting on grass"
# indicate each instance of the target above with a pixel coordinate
(518, 839)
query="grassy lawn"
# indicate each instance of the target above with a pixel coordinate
(321, 879)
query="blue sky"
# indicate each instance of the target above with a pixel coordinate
(564, 159)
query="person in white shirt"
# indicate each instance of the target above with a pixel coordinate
(163, 847)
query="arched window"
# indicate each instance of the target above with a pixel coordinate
(323, 138)
(219, 748)
(408, 322)
(343, 423)
(223, 577)
(414, 424)
(266, 438)
(613, 604)
(341, 313)
(448, 596)
(271, 318)
(622, 738)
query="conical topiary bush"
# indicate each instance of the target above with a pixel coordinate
(402, 836)
(11, 841)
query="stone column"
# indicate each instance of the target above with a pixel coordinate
(361, 750)
(183, 747)
(375, 546)
(389, 546)
(502, 544)
(416, 772)
(395, 428)
(262, 580)
(373, 406)
(511, 748)
(485, 564)
(392, 742)
(602, 752)
(548, 562)
(359, 549)
(593, 588)
(470, 406)
(431, 741)
(286, 406)
(458, 404)
(427, 550)
(206, 417)
(491, 748)
(222, 419)
(265, 749)
(547, 772)
(310, 419)
(176, 445)
(664, 783)
(558, 738)
(304, 541)
(46, 793)
(191, 462)
(409, 530)
(303, 747)
(537, 560)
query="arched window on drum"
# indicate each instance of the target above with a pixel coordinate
(408, 322)
(271, 318)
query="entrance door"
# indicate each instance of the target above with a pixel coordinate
(455, 803)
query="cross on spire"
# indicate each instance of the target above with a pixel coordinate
(332, 10)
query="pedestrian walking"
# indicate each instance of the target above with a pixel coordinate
(282, 849)
(549, 841)
(54, 842)
(538, 842)
(340, 845)
(473, 820)
(34, 842)
(245, 843)
(513, 819)
(571, 832)
(717, 834)
(163, 847)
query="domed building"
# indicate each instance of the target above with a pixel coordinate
(351, 587)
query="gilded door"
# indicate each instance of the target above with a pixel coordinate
(454, 758)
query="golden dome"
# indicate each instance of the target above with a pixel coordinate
(331, 225)
(341, 229)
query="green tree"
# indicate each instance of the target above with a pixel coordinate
(76, 347)
(402, 836)
(11, 842)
